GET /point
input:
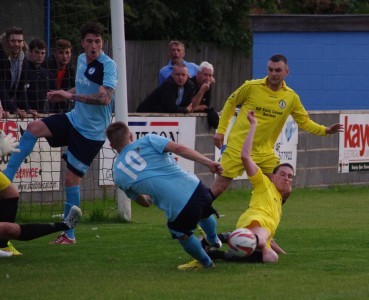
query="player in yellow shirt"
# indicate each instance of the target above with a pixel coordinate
(265, 208)
(264, 213)
(272, 101)
(9, 197)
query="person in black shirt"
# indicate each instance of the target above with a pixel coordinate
(174, 95)
(60, 65)
(35, 81)
(201, 101)
(13, 50)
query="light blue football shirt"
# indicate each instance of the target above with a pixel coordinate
(143, 167)
(92, 120)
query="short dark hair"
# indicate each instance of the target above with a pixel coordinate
(278, 58)
(178, 43)
(13, 30)
(91, 27)
(63, 44)
(115, 132)
(178, 66)
(37, 43)
(283, 165)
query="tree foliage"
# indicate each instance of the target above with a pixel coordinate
(223, 22)
(323, 6)
(68, 16)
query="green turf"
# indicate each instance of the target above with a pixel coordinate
(324, 232)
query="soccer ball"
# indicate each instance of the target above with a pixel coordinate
(242, 242)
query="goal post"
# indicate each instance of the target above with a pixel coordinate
(121, 109)
(40, 179)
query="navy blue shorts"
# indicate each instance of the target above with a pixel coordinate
(198, 207)
(80, 151)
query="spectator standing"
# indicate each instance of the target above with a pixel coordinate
(60, 65)
(173, 96)
(35, 80)
(176, 55)
(203, 81)
(12, 57)
(201, 101)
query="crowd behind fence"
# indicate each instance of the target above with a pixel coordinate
(146, 58)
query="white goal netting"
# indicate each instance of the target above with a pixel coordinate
(40, 179)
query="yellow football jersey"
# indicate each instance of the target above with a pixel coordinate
(272, 109)
(4, 181)
(265, 205)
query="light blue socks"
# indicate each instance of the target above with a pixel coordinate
(209, 226)
(72, 198)
(193, 247)
(26, 144)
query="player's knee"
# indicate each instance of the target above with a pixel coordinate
(72, 179)
(11, 230)
(269, 256)
(10, 192)
(33, 127)
(219, 187)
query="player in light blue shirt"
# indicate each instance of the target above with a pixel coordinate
(82, 130)
(147, 172)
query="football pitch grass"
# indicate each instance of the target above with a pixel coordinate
(324, 232)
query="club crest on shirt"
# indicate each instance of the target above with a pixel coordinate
(91, 70)
(282, 104)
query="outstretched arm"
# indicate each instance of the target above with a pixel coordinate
(249, 165)
(103, 97)
(334, 128)
(193, 155)
(276, 248)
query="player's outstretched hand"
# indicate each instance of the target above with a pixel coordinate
(8, 143)
(59, 95)
(218, 140)
(215, 168)
(334, 128)
(276, 247)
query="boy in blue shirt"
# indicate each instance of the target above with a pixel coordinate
(82, 130)
(147, 173)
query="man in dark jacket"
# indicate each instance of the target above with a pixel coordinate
(12, 56)
(60, 65)
(174, 95)
(201, 101)
(35, 80)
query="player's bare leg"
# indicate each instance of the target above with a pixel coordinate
(219, 185)
(269, 255)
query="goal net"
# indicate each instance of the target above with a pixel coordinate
(40, 179)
